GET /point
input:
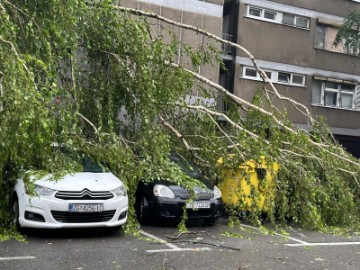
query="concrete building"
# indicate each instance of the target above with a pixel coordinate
(202, 14)
(292, 41)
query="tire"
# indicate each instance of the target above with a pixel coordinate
(142, 210)
(15, 212)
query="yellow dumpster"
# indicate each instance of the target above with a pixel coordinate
(250, 186)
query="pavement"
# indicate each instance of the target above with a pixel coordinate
(164, 248)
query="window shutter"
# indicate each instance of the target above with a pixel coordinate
(357, 97)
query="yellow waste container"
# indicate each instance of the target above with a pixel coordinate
(250, 186)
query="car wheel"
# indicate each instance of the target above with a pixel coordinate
(143, 210)
(15, 212)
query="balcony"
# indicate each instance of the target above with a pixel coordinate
(226, 49)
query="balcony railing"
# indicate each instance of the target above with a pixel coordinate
(226, 48)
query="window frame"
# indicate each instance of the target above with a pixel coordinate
(274, 76)
(278, 17)
(339, 91)
(294, 20)
(323, 37)
(302, 17)
(255, 9)
(262, 14)
(257, 77)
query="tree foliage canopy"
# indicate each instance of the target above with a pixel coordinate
(68, 72)
(349, 33)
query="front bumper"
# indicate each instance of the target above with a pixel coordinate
(165, 208)
(55, 213)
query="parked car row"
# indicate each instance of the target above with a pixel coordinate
(95, 198)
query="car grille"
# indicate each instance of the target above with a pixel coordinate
(203, 196)
(199, 196)
(84, 195)
(184, 195)
(67, 217)
(199, 213)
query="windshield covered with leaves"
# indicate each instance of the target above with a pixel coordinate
(86, 162)
(185, 165)
(90, 165)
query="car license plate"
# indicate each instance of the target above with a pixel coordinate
(198, 204)
(85, 207)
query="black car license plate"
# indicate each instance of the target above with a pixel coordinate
(198, 204)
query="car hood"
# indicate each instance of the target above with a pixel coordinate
(180, 191)
(80, 181)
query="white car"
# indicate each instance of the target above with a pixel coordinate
(92, 198)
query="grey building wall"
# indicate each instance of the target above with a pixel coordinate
(203, 14)
(277, 47)
(292, 49)
(334, 7)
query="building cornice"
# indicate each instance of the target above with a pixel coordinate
(194, 6)
(294, 10)
(334, 130)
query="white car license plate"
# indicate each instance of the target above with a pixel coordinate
(198, 204)
(85, 207)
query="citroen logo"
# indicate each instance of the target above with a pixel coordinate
(86, 192)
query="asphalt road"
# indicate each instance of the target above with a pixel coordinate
(163, 248)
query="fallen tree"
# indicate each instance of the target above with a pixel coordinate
(68, 71)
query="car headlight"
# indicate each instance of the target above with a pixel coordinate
(43, 191)
(120, 191)
(163, 191)
(217, 193)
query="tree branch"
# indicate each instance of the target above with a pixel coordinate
(177, 134)
(227, 119)
(223, 41)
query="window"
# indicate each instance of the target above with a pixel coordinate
(302, 22)
(264, 14)
(288, 19)
(278, 17)
(295, 20)
(330, 94)
(275, 76)
(290, 78)
(333, 94)
(255, 12)
(320, 37)
(298, 79)
(270, 15)
(284, 77)
(226, 48)
(325, 36)
(251, 72)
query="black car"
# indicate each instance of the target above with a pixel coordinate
(163, 200)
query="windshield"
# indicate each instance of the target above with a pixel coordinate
(90, 166)
(186, 166)
(86, 162)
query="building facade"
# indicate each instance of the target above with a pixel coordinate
(293, 42)
(199, 13)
